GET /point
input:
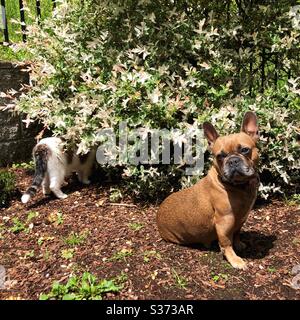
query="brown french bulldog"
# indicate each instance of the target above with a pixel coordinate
(218, 205)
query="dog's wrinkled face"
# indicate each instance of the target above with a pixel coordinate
(235, 155)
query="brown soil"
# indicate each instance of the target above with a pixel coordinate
(155, 269)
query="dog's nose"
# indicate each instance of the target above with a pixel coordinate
(234, 161)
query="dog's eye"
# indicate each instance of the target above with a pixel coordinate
(245, 150)
(221, 155)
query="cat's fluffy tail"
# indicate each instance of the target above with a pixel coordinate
(41, 153)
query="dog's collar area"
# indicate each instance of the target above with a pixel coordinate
(251, 182)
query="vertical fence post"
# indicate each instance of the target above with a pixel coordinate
(4, 21)
(23, 23)
(38, 10)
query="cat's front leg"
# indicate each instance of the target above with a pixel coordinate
(55, 186)
(59, 194)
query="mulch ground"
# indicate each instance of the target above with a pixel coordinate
(122, 239)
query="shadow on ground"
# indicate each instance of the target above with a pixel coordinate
(258, 245)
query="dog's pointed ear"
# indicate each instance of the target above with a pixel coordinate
(250, 125)
(210, 133)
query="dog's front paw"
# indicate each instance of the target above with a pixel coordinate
(239, 263)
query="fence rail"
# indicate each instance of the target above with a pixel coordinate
(4, 18)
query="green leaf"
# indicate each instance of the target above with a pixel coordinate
(69, 296)
(44, 297)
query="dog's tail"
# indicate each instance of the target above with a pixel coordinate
(41, 154)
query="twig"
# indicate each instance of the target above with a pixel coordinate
(122, 204)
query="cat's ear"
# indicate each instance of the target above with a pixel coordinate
(210, 133)
(250, 125)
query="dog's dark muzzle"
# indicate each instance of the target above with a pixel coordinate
(234, 162)
(236, 168)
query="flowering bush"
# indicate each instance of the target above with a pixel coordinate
(170, 64)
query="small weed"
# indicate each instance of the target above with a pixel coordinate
(121, 255)
(18, 226)
(180, 281)
(115, 195)
(31, 215)
(29, 254)
(135, 226)
(227, 266)
(60, 218)
(67, 253)
(120, 279)
(75, 239)
(86, 287)
(293, 200)
(272, 269)
(56, 218)
(151, 254)
(46, 255)
(2, 230)
(41, 240)
(219, 277)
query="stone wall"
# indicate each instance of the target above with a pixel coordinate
(16, 142)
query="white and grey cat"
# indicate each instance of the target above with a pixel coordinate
(53, 164)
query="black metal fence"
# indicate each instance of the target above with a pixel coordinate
(4, 22)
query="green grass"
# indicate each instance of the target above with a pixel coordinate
(13, 13)
(14, 29)
(180, 281)
(8, 54)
